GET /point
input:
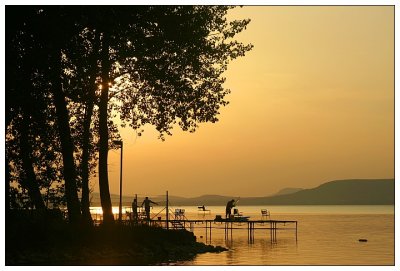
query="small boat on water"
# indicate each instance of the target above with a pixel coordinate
(218, 218)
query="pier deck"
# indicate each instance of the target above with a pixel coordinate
(212, 224)
(228, 226)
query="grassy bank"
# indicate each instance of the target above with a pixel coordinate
(58, 243)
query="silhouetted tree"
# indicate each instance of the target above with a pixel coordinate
(165, 64)
(25, 110)
(157, 65)
(35, 32)
(82, 78)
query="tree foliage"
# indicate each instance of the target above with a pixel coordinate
(157, 65)
(172, 66)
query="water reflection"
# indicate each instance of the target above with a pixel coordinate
(329, 239)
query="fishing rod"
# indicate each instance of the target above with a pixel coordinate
(236, 201)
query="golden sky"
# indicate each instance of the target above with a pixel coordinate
(312, 102)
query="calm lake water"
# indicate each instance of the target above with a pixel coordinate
(327, 235)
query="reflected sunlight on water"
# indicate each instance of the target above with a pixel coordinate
(327, 235)
(322, 240)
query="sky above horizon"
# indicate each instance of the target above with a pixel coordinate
(312, 102)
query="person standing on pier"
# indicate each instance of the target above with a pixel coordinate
(134, 210)
(229, 207)
(146, 204)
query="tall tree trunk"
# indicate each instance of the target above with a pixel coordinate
(30, 182)
(105, 198)
(86, 216)
(67, 146)
(7, 188)
(85, 202)
(7, 163)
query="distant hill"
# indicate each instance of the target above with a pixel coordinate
(346, 192)
(286, 191)
(339, 192)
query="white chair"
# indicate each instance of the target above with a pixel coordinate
(265, 214)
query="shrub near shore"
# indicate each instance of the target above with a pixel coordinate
(58, 243)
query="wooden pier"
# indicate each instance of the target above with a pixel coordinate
(236, 222)
(273, 226)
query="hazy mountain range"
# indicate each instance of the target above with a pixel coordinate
(339, 192)
(288, 190)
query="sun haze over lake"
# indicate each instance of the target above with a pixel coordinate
(312, 102)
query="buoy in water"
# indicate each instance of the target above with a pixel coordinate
(362, 240)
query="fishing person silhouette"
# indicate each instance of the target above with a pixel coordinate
(146, 202)
(229, 207)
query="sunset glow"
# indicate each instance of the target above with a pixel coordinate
(312, 102)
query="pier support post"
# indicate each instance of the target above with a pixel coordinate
(210, 231)
(228, 228)
(270, 230)
(273, 228)
(206, 230)
(167, 213)
(250, 232)
(208, 236)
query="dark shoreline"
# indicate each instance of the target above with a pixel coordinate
(109, 257)
(59, 244)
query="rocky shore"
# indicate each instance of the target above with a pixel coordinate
(60, 244)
